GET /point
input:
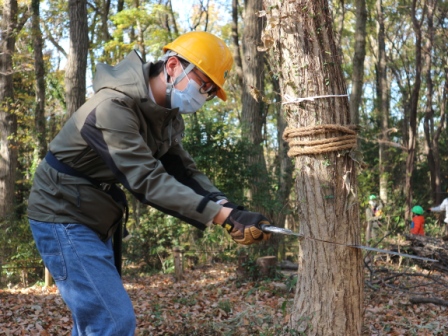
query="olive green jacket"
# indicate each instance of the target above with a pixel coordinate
(121, 136)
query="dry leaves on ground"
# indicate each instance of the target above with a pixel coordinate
(213, 301)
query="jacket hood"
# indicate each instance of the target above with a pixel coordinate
(126, 77)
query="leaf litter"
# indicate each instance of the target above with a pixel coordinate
(213, 300)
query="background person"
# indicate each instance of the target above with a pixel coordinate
(418, 221)
(440, 208)
(373, 215)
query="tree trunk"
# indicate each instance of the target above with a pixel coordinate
(253, 111)
(432, 150)
(39, 70)
(238, 66)
(382, 85)
(285, 180)
(413, 106)
(358, 61)
(8, 119)
(329, 294)
(75, 74)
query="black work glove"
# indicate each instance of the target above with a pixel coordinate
(232, 205)
(244, 227)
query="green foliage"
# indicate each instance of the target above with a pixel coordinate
(139, 22)
(218, 152)
(153, 240)
(17, 252)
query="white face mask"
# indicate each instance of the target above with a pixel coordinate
(189, 100)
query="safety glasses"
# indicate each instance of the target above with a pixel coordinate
(205, 87)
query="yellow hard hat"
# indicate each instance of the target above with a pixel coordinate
(208, 53)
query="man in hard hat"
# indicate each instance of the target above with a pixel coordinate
(130, 133)
(373, 215)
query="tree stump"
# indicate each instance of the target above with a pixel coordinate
(267, 266)
(178, 264)
(241, 270)
(48, 278)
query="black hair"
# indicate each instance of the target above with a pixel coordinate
(157, 67)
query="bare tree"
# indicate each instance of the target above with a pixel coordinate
(432, 134)
(417, 21)
(75, 74)
(358, 60)
(39, 70)
(382, 88)
(253, 115)
(8, 119)
(329, 289)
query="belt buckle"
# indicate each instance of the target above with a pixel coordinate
(105, 186)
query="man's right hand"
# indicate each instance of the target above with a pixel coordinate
(244, 227)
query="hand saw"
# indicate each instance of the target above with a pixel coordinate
(275, 229)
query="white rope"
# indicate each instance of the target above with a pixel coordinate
(291, 100)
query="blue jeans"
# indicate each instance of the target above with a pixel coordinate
(83, 268)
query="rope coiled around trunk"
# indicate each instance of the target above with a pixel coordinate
(346, 139)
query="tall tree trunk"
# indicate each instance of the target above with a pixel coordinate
(285, 180)
(75, 74)
(382, 88)
(417, 20)
(358, 60)
(253, 111)
(39, 70)
(236, 44)
(329, 290)
(8, 119)
(432, 150)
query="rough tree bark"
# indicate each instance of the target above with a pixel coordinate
(358, 61)
(253, 113)
(75, 74)
(382, 88)
(8, 120)
(329, 290)
(417, 20)
(432, 135)
(39, 70)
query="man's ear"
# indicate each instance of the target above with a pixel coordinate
(171, 65)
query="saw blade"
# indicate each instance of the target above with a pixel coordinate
(275, 229)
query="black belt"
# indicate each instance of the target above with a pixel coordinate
(113, 190)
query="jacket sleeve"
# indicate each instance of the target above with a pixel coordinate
(442, 207)
(112, 130)
(178, 163)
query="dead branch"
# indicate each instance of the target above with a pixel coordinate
(419, 299)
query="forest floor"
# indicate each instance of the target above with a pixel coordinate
(213, 300)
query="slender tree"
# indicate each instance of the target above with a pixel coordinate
(382, 88)
(253, 114)
(8, 118)
(432, 136)
(328, 297)
(417, 20)
(358, 60)
(75, 74)
(39, 70)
